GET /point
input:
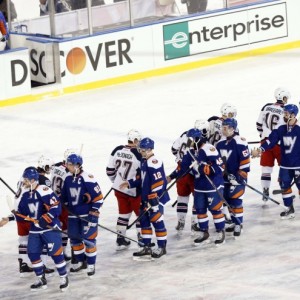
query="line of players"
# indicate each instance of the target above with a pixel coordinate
(213, 162)
(48, 212)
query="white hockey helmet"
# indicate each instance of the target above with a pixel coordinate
(45, 163)
(133, 135)
(202, 125)
(281, 94)
(68, 152)
(228, 111)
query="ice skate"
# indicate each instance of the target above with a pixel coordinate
(288, 214)
(220, 237)
(78, 267)
(179, 227)
(40, 284)
(195, 229)
(64, 283)
(91, 271)
(237, 230)
(159, 252)
(145, 254)
(24, 269)
(266, 193)
(122, 243)
(202, 239)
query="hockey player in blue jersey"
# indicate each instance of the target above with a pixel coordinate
(83, 197)
(207, 169)
(39, 203)
(185, 184)
(235, 151)
(289, 137)
(153, 185)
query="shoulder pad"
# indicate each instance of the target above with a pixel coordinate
(213, 118)
(117, 149)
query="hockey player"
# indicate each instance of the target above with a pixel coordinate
(153, 184)
(83, 197)
(185, 185)
(289, 137)
(271, 117)
(215, 123)
(235, 149)
(39, 203)
(215, 134)
(59, 172)
(207, 169)
(124, 164)
(44, 166)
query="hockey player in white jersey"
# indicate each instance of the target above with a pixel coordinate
(215, 123)
(270, 118)
(185, 185)
(124, 164)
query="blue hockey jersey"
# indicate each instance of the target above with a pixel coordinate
(38, 202)
(153, 180)
(74, 188)
(289, 138)
(236, 152)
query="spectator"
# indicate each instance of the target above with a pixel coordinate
(78, 4)
(3, 8)
(60, 7)
(195, 6)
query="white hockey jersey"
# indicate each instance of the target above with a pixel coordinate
(124, 164)
(58, 176)
(270, 118)
(179, 147)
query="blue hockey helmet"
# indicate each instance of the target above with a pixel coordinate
(146, 143)
(74, 159)
(31, 173)
(291, 109)
(194, 133)
(230, 122)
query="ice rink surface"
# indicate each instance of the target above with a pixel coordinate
(262, 264)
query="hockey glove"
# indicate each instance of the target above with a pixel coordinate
(86, 198)
(154, 204)
(206, 169)
(45, 220)
(232, 179)
(241, 176)
(93, 217)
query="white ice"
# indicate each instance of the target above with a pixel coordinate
(262, 264)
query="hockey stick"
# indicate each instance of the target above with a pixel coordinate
(218, 192)
(26, 218)
(277, 192)
(181, 176)
(103, 227)
(264, 195)
(7, 186)
(107, 194)
(258, 142)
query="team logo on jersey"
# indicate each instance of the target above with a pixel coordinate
(155, 161)
(45, 188)
(91, 176)
(245, 153)
(243, 139)
(212, 149)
